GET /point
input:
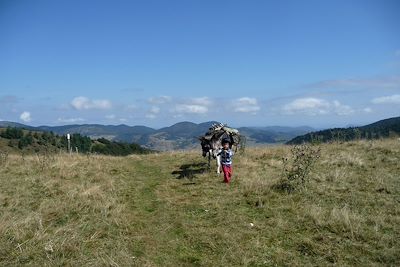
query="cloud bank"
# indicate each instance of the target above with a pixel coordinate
(84, 103)
(197, 105)
(393, 99)
(315, 106)
(246, 105)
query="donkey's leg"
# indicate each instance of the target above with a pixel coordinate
(218, 164)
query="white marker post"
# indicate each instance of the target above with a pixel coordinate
(69, 143)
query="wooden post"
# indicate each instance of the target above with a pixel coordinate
(69, 143)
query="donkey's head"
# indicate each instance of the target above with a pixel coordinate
(205, 145)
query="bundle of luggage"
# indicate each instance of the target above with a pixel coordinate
(224, 132)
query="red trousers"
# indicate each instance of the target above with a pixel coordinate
(227, 169)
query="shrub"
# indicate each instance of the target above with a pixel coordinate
(297, 167)
(25, 141)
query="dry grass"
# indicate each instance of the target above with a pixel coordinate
(166, 209)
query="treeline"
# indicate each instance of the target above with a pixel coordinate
(48, 141)
(380, 129)
(107, 147)
(22, 139)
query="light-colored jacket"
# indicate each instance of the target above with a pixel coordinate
(226, 156)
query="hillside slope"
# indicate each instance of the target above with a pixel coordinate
(379, 129)
(167, 210)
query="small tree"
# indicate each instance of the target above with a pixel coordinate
(297, 167)
(83, 143)
(25, 141)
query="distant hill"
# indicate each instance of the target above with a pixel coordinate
(182, 135)
(273, 134)
(5, 124)
(380, 129)
(112, 132)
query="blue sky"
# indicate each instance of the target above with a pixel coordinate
(155, 63)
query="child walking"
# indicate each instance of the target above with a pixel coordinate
(226, 160)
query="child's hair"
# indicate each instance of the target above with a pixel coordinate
(225, 141)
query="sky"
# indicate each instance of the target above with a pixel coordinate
(155, 63)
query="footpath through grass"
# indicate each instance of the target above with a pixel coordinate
(167, 210)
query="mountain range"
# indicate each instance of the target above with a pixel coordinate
(182, 135)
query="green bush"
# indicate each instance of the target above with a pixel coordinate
(297, 166)
(25, 141)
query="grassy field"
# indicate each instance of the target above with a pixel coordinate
(167, 210)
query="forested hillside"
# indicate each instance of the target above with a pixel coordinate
(14, 139)
(380, 129)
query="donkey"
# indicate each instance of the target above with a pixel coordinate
(211, 143)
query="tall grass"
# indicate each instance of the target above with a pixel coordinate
(166, 209)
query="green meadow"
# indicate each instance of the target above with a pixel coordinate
(168, 209)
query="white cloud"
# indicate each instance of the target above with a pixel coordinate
(131, 108)
(197, 105)
(123, 120)
(151, 116)
(25, 116)
(70, 120)
(84, 103)
(316, 106)
(187, 108)
(177, 116)
(309, 105)
(159, 99)
(247, 101)
(152, 113)
(110, 117)
(367, 110)
(203, 101)
(155, 110)
(246, 105)
(342, 110)
(393, 99)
